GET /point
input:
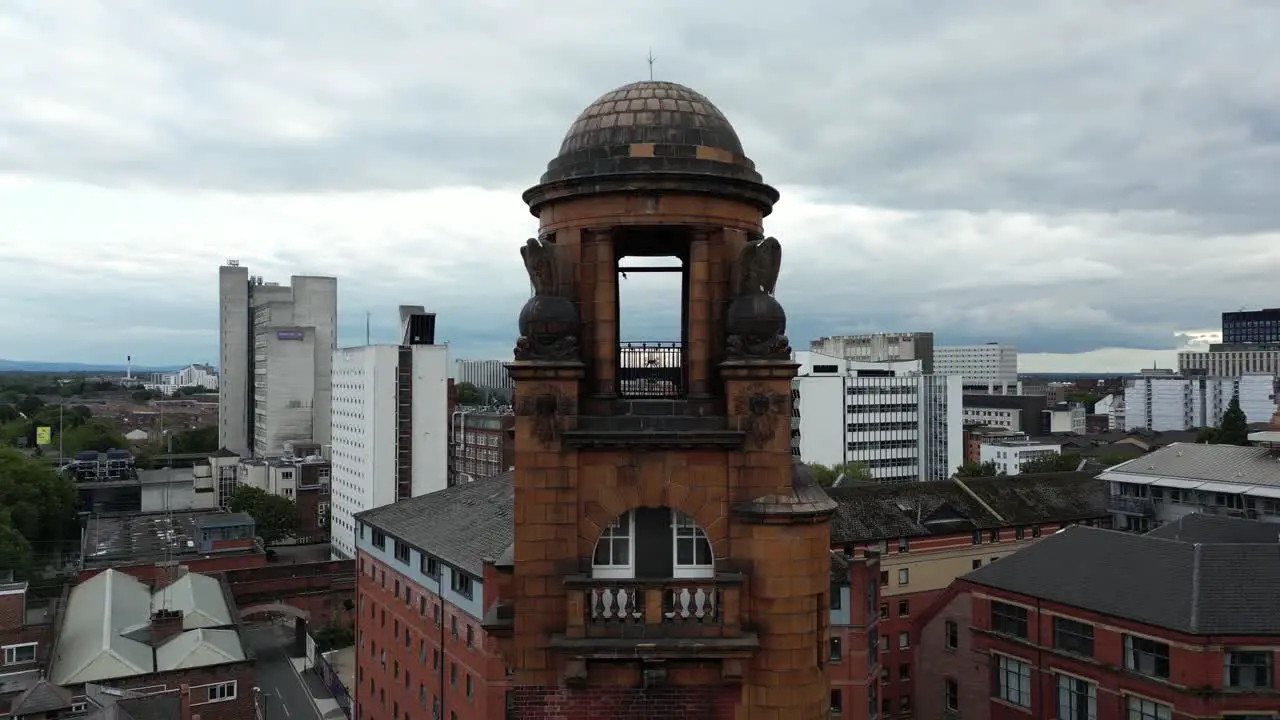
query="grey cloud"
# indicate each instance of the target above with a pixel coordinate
(1046, 107)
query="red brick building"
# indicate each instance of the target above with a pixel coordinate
(925, 535)
(853, 648)
(481, 444)
(1102, 625)
(421, 590)
(182, 639)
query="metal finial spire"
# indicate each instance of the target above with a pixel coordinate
(651, 59)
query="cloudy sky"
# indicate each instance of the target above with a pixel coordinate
(1093, 181)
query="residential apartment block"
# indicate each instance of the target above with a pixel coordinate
(1096, 624)
(203, 377)
(1014, 412)
(481, 443)
(1184, 402)
(880, 347)
(1184, 478)
(902, 425)
(421, 597)
(925, 535)
(390, 424)
(981, 365)
(275, 345)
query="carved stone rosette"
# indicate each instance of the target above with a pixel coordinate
(549, 408)
(759, 408)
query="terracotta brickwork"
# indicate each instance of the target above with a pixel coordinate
(705, 702)
(590, 448)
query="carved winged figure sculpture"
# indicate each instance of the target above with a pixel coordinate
(539, 261)
(760, 262)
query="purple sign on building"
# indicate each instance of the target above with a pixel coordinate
(289, 334)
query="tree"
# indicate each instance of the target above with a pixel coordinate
(1234, 428)
(15, 550)
(93, 435)
(468, 394)
(1207, 436)
(977, 470)
(199, 440)
(274, 516)
(9, 413)
(855, 473)
(142, 397)
(37, 503)
(29, 404)
(1058, 462)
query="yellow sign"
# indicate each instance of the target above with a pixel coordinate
(44, 436)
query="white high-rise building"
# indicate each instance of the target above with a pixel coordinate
(902, 424)
(1010, 452)
(490, 375)
(1163, 402)
(390, 424)
(275, 344)
(990, 364)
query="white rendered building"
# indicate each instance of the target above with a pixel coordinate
(390, 424)
(1176, 402)
(905, 426)
(191, 376)
(275, 343)
(1010, 453)
(990, 364)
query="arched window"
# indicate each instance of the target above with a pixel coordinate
(654, 543)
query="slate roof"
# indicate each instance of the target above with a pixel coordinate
(1201, 528)
(1214, 463)
(42, 697)
(868, 513)
(460, 525)
(1199, 589)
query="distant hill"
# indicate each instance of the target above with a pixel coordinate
(57, 367)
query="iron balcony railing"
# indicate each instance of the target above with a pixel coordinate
(651, 370)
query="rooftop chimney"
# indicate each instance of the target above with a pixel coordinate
(164, 625)
(184, 703)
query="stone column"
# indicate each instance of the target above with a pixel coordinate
(698, 334)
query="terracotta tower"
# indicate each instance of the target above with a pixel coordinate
(670, 559)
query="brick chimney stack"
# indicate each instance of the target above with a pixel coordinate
(13, 605)
(164, 625)
(184, 698)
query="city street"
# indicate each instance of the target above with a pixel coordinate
(283, 694)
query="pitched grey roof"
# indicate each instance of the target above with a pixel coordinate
(1212, 589)
(1220, 463)
(461, 525)
(1201, 528)
(877, 512)
(40, 698)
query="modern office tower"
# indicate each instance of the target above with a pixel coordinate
(880, 347)
(275, 348)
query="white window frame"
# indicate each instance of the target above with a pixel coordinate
(11, 653)
(685, 529)
(218, 692)
(1140, 708)
(1069, 698)
(611, 533)
(1009, 670)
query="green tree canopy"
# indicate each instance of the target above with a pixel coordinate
(976, 470)
(29, 404)
(1234, 428)
(9, 413)
(468, 394)
(1207, 436)
(275, 517)
(1058, 462)
(93, 435)
(37, 503)
(15, 550)
(855, 473)
(199, 440)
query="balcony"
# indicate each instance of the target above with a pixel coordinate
(655, 618)
(1129, 505)
(651, 370)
